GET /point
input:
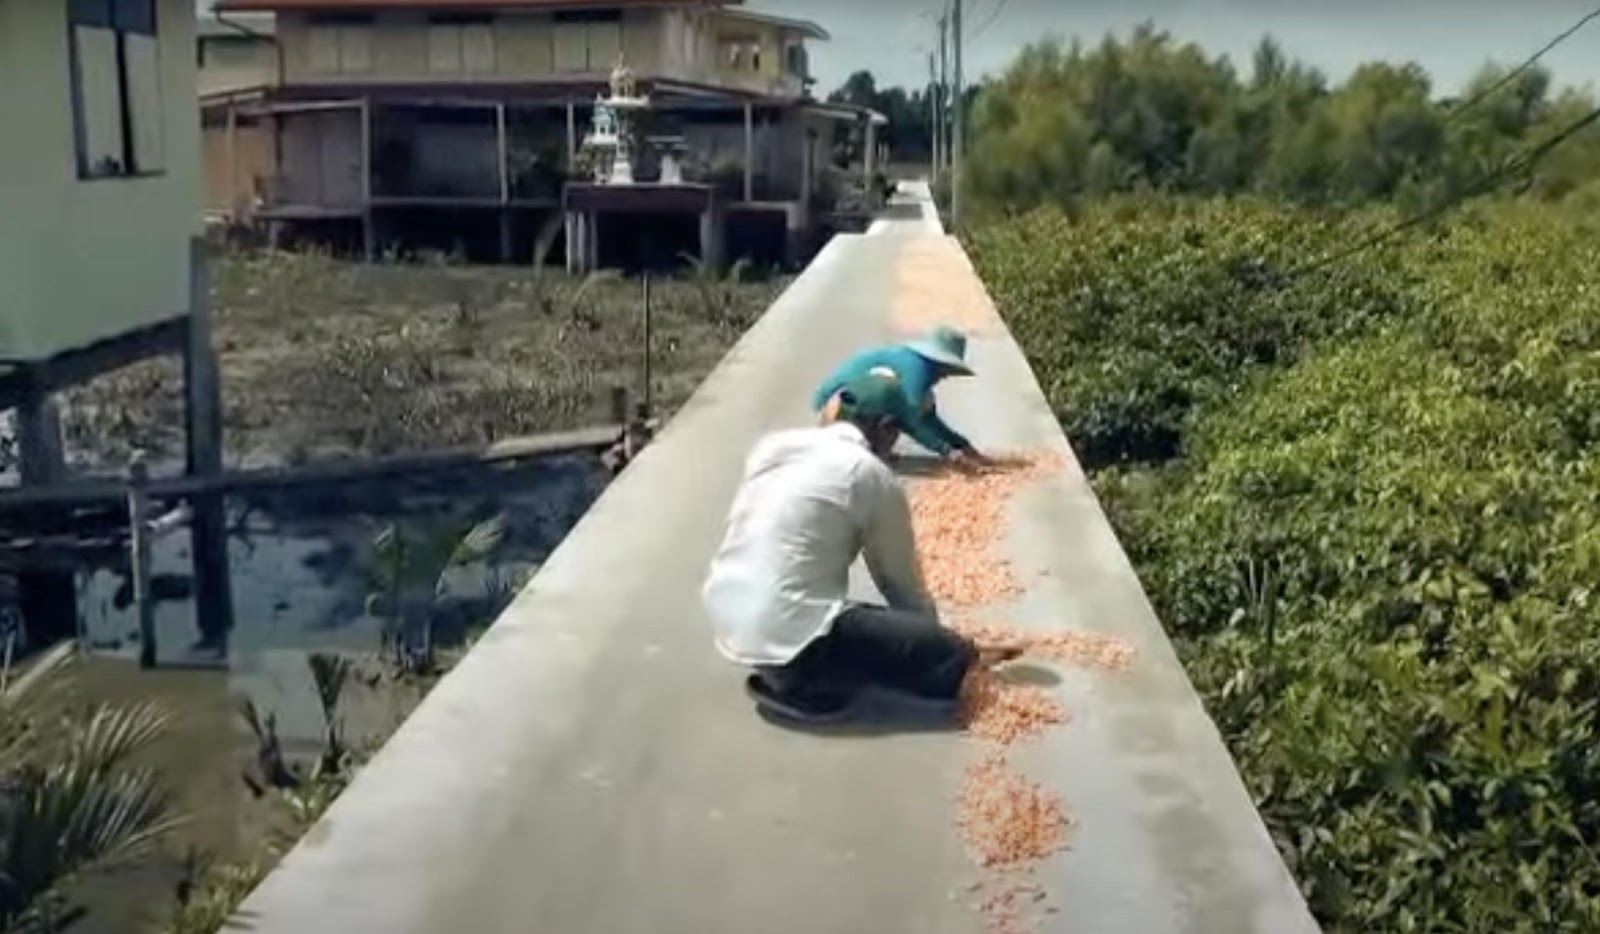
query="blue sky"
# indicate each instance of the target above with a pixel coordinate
(1451, 38)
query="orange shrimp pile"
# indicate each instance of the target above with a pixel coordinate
(1082, 649)
(936, 284)
(1010, 823)
(1009, 820)
(1007, 713)
(958, 518)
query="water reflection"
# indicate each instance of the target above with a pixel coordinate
(301, 563)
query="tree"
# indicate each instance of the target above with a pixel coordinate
(1066, 121)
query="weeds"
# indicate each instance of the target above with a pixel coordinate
(325, 358)
(209, 892)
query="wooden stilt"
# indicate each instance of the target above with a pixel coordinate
(213, 592)
(48, 598)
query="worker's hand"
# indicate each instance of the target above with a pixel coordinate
(997, 653)
(970, 460)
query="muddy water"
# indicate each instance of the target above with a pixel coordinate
(301, 564)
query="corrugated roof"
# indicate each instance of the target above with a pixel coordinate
(343, 5)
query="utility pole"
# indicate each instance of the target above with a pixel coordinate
(944, 96)
(958, 121)
(933, 115)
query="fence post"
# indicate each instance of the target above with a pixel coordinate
(647, 342)
(139, 557)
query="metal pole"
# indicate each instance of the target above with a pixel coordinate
(500, 153)
(958, 121)
(139, 558)
(749, 152)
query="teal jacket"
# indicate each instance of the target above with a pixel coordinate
(917, 375)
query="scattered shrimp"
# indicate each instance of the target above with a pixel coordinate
(1008, 820)
(936, 284)
(1007, 713)
(1083, 649)
(959, 517)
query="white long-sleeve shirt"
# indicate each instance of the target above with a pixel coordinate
(811, 501)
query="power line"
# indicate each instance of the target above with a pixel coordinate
(1000, 8)
(1484, 185)
(1516, 72)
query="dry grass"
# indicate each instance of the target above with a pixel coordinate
(321, 356)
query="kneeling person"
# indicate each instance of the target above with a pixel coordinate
(813, 499)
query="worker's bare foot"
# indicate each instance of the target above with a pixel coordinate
(998, 653)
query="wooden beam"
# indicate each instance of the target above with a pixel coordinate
(48, 599)
(110, 490)
(367, 238)
(298, 107)
(572, 136)
(80, 364)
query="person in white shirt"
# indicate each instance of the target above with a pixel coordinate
(813, 499)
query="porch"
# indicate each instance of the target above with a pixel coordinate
(484, 169)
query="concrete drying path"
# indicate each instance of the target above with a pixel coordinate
(592, 767)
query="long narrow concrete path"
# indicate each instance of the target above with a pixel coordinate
(592, 767)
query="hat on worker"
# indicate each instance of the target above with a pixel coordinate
(944, 345)
(874, 397)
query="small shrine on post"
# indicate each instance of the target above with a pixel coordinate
(611, 148)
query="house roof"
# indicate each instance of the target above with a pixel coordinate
(237, 25)
(805, 27)
(341, 5)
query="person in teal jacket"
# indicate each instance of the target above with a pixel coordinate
(918, 365)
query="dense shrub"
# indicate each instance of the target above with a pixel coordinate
(1379, 561)
(1139, 310)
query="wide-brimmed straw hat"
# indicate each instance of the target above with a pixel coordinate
(946, 346)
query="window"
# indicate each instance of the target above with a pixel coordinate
(116, 87)
(741, 54)
(587, 40)
(795, 60)
(339, 44)
(461, 43)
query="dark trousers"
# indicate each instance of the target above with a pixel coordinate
(875, 645)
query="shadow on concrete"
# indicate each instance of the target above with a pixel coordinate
(876, 713)
(1028, 674)
(884, 713)
(921, 465)
(930, 465)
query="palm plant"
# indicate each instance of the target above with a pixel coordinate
(330, 673)
(71, 801)
(408, 574)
